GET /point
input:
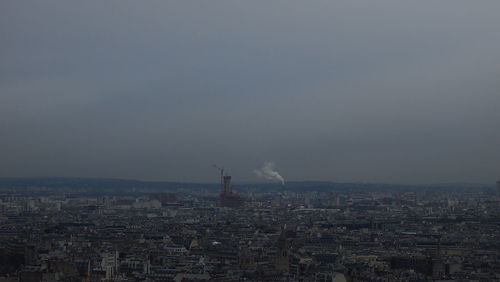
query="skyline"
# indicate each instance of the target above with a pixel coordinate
(382, 92)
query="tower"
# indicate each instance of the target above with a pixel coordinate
(438, 268)
(226, 185)
(282, 259)
(227, 198)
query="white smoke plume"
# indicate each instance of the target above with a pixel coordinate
(267, 172)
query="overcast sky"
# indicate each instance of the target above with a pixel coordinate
(376, 91)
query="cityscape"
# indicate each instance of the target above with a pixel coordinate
(60, 232)
(258, 141)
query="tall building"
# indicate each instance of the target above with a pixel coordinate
(226, 185)
(109, 263)
(227, 197)
(282, 255)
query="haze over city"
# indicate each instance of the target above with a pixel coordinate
(382, 91)
(291, 141)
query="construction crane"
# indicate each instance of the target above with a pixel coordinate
(221, 174)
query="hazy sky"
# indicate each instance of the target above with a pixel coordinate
(377, 91)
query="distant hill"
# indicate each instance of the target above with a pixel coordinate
(104, 184)
(84, 183)
(324, 186)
